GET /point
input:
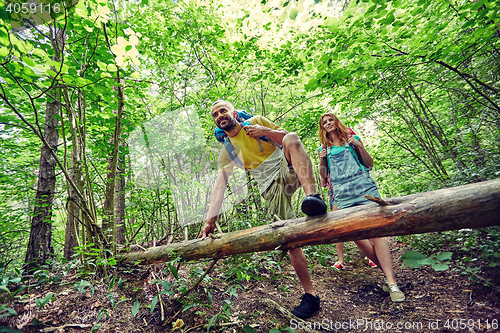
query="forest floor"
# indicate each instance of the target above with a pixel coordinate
(352, 300)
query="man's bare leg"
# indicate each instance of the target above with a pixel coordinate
(299, 263)
(297, 156)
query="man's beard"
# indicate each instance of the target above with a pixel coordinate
(230, 124)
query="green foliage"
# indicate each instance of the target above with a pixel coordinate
(414, 259)
(481, 243)
(249, 329)
(224, 315)
(135, 308)
(80, 286)
(5, 311)
(470, 245)
(486, 242)
(10, 282)
(325, 254)
(95, 256)
(245, 267)
(41, 302)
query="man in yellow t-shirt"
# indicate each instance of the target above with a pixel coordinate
(279, 172)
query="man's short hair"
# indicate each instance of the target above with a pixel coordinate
(224, 102)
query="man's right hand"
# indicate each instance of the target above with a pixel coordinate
(206, 230)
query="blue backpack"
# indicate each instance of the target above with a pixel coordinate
(222, 137)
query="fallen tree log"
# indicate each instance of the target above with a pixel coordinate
(469, 206)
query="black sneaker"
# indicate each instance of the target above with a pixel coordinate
(307, 307)
(313, 205)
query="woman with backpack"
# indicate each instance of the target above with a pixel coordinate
(340, 264)
(346, 163)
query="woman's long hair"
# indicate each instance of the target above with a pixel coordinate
(341, 129)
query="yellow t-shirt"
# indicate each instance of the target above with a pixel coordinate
(248, 148)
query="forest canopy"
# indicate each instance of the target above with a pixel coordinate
(106, 139)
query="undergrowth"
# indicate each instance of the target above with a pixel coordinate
(471, 249)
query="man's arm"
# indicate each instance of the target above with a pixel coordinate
(256, 131)
(264, 127)
(216, 199)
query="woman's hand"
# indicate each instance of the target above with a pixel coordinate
(352, 141)
(322, 153)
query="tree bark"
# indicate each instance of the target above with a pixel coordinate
(73, 209)
(469, 206)
(108, 209)
(40, 243)
(120, 199)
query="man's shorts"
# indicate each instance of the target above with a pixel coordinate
(279, 194)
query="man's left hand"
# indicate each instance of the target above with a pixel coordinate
(255, 131)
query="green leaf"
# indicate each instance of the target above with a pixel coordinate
(312, 84)
(332, 24)
(469, 23)
(289, 329)
(211, 322)
(80, 286)
(209, 297)
(51, 73)
(293, 13)
(96, 327)
(248, 329)
(68, 79)
(173, 270)
(477, 5)
(64, 68)
(444, 256)
(4, 51)
(102, 66)
(15, 280)
(112, 282)
(427, 261)
(417, 11)
(188, 306)
(40, 53)
(440, 267)
(153, 303)
(135, 308)
(389, 19)
(28, 71)
(42, 302)
(10, 311)
(28, 61)
(5, 289)
(411, 258)
(112, 68)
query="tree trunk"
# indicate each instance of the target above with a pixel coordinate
(469, 206)
(73, 209)
(108, 218)
(120, 199)
(40, 242)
